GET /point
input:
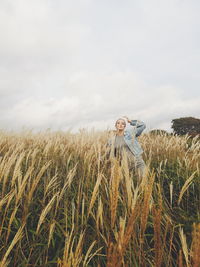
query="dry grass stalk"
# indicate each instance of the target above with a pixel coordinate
(17, 237)
(9, 199)
(53, 183)
(99, 217)
(145, 205)
(73, 258)
(17, 170)
(5, 199)
(82, 211)
(195, 248)
(157, 216)
(116, 251)
(143, 181)
(114, 189)
(12, 217)
(67, 184)
(180, 259)
(22, 184)
(157, 236)
(95, 192)
(36, 181)
(6, 171)
(129, 231)
(184, 246)
(171, 193)
(88, 255)
(185, 186)
(45, 211)
(68, 241)
(51, 230)
(128, 182)
(170, 246)
(5, 264)
(70, 175)
(114, 258)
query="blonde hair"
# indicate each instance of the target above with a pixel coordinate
(120, 119)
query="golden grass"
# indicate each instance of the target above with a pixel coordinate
(195, 247)
(16, 239)
(64, 203)
(185, 186)
(116, 176)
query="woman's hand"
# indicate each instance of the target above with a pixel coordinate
(127, 119)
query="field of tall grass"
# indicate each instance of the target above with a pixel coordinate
(64, 203)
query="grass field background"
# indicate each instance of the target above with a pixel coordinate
(63, 203)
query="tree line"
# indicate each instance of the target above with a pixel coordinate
(182, 126)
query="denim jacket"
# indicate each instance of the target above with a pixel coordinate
(130, 137)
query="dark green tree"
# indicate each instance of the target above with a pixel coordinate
(186, 125)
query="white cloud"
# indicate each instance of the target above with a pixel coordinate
(122, 94)
(85, 63)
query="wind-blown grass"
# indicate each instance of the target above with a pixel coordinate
(64, 203)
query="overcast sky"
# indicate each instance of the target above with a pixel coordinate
(84, 63)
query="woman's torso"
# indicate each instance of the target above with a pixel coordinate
(121, 149)
(130, 140)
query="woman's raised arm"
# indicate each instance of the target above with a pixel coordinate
(140, 125)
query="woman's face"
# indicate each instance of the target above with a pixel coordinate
(120, 124)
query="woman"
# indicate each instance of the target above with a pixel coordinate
(125, 141)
